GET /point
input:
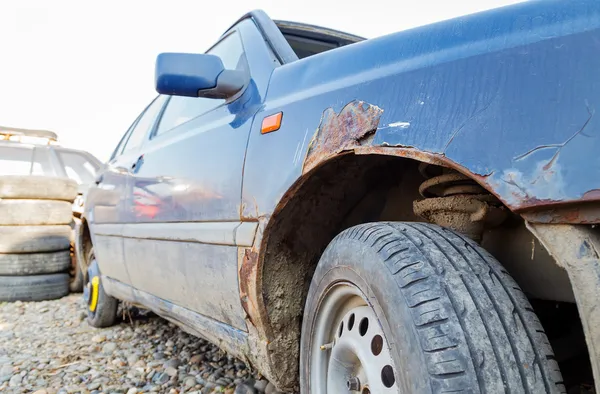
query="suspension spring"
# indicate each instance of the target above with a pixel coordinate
(455, 201)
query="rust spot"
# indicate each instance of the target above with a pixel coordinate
(248, 278)
(336, 133)
(582, 213)
(593, 194)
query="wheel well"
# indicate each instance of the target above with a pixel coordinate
(350, 190)
(86, 242)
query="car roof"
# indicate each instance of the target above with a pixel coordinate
(21, 145)
(5, 130)
(317, 32)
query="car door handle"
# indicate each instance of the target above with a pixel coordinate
(135, 167)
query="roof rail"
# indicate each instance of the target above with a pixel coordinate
(7, 132)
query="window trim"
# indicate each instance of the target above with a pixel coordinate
(151, 130)
(119, 148)
(272, 35)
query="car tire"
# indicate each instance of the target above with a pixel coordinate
(76, 275)
(35, 239)
(37, 188)
(101, 307)
(35, 263)
(418, 308)
(33, 288)
(34, 212)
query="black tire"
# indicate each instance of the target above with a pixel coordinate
(76, 275)
(38, 188)
(33, 288)
(457, 320)
(35, 263)
(34, 212)
(105, 312)
(34, 239)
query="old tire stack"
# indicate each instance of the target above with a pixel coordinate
(35, 237)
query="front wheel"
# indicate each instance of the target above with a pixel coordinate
(415, 308)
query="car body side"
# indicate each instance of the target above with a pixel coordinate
(506, 97)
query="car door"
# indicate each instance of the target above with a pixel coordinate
(186, 191)
(107, 200)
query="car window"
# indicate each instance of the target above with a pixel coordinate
(144, 124)
(15, 160)
(77, 167)
(181, 109)
(21, 160)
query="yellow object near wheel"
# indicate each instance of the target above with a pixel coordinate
(94, 302)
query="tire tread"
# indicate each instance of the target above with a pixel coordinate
(476, 327)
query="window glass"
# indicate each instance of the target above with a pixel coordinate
(123, 140)
(41, 163)
(15, 160)
(77, 167)
(181, 109)
(146, 121)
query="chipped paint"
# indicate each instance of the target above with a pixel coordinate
(340, 132)
(401, 125)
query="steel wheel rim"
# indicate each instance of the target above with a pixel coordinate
(349, 350)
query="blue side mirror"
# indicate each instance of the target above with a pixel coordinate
(196, 75)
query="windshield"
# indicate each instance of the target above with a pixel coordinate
(78, 167)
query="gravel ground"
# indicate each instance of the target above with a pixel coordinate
(48, 347)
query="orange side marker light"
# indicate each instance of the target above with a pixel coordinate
(271, 123)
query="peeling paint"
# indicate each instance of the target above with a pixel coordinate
(543, 182)
(583, 213)
(340, 132)
(247, 278)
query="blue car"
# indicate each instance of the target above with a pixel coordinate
(413, 213)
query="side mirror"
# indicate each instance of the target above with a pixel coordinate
(196, 75)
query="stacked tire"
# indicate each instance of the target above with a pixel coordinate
(35, 237)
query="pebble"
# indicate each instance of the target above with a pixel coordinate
(261, 385)
(143, 355)
(98, 338)
(15, 381)
(108, 348)
(245, 388)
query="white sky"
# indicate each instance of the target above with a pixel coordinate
(85, 69)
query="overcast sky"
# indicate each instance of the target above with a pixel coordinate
(85, 70)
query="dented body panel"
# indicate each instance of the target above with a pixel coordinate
(508, 96)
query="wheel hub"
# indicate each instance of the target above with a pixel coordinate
(353, 355)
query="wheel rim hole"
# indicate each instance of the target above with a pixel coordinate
(351, 322)
(341, 329)
(376, 345)
(366, 391)
(363, 326)
(387, 376)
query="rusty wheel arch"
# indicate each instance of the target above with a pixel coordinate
(275, 273)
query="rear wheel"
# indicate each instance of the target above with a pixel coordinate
(415, 308)
(101, 307)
